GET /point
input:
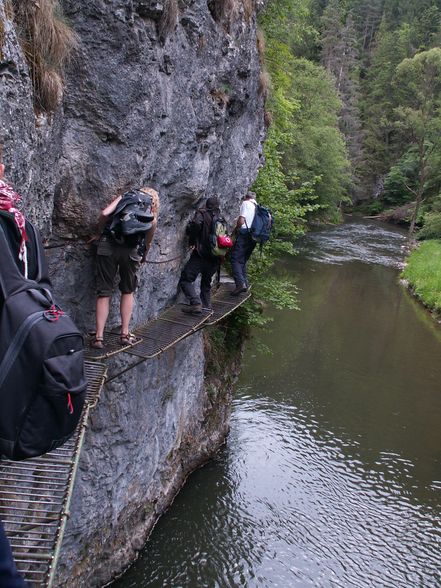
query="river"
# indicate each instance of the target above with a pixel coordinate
(331, 475)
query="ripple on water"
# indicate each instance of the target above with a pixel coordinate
(367, 243)
(295, 507)
(321, 510)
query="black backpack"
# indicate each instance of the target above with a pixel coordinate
(133, 216)
(42, 382)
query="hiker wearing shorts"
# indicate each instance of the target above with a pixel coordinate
(125, 258)
(244, 244)
(202, 262)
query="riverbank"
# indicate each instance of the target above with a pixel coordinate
(423, 274)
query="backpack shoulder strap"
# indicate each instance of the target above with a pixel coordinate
(125, 200)
(11, 279)
(41, 271)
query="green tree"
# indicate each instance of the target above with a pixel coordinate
(317, 151)
(418, 85)
(341, 59)
(380, 100)
(305, 169)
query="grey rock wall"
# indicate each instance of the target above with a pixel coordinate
(179, 111)
(150, 430)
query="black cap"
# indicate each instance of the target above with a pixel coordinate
(212, 203)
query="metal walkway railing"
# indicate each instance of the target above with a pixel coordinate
(35, 495)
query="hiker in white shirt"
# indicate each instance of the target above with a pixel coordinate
(244, 244)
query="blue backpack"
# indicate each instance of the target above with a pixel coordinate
(262, 224)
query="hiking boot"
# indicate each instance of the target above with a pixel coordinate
(192, 309)
(239, 290)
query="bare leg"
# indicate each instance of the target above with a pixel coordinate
(102, 312)
(126, 308)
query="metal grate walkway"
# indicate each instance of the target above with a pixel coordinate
(35, 496)
(173, 325)
(170, 327)
(167, 330)
(113, 346)
(224, 304)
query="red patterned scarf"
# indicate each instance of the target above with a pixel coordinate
(8, 200)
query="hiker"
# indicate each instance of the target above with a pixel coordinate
(43, 387)
(244, 244)
(202, 260)
(9, 577)
(124, 252)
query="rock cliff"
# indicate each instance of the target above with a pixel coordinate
(163, 93)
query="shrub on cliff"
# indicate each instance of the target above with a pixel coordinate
(47, 41)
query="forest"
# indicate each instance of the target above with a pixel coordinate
(353, 111)
(353, 120)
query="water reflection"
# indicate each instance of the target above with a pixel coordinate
(331, 475)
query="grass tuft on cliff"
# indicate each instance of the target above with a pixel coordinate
(47, 41)
(228, 11)
(169, 18)
(423, 273)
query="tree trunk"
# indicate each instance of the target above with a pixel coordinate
(420, 191)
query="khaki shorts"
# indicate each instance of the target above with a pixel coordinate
(111, 259)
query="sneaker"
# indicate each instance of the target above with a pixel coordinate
(192, 309)
(239, 290)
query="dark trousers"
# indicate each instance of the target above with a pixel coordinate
(9, 577)
(240, 254)
(198, 265)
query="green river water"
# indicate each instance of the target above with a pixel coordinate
(331, 475)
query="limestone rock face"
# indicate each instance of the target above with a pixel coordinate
(157, 93)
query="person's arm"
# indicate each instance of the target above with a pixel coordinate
(103, 218)
(240, 223)
(148, 239)
(241, 220)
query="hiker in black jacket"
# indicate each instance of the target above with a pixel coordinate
(9, 577)
(202, 261)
